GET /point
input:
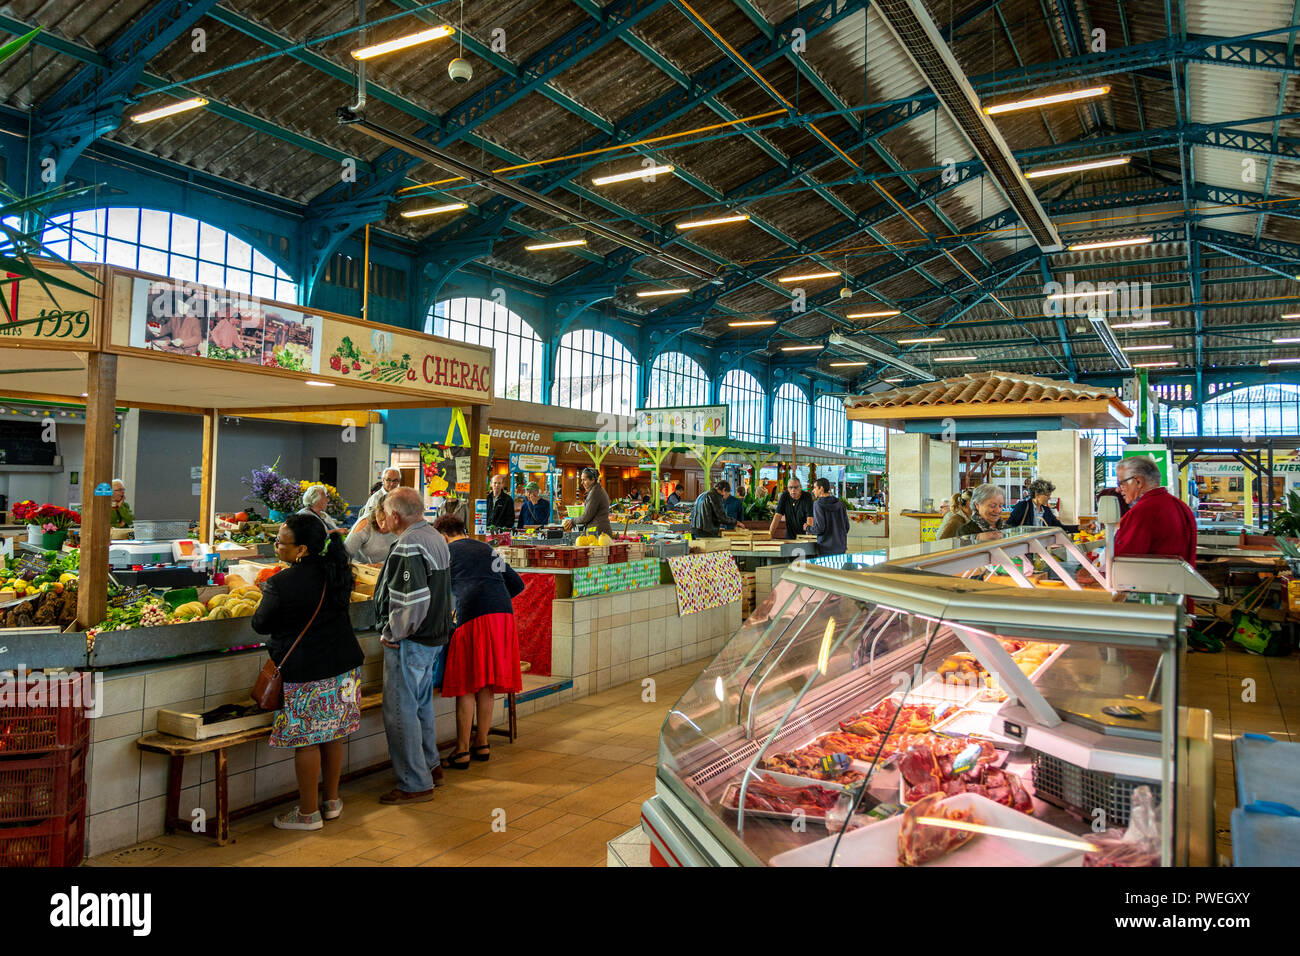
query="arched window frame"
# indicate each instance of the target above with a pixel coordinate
(517, 367)
(743, 395)
(590, 354)
(832, 424)
(676, 380)
(790, 407)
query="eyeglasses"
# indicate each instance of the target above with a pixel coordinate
(1129, 478)
(391, 481)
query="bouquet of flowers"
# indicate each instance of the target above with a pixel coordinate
(335, 506)
(54, 518)
(272, 489)
(25, 511)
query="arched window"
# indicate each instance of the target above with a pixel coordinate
(517, 362)
(864, 436)
(168, 245)
(790, 414)
(832, 431)
(743, 396)
(594, 372)
(675, 380)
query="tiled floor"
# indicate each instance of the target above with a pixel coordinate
(1219, 682)
(574, 779)
(579, 772)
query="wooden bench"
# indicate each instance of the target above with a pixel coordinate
(178, 748)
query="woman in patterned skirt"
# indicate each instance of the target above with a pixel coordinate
(322, 693)
(483, 656)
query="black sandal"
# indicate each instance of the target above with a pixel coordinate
(451, 761)
(482, 753)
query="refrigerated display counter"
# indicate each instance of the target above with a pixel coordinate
(856, 691)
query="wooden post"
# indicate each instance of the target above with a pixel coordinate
(97, 469)
(207, 486)
(480, 456)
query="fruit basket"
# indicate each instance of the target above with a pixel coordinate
(58, 722)
(35, 788)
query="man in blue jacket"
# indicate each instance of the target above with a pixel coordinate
(830, 520)
(535, 510)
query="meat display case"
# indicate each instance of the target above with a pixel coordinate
(1094, 713)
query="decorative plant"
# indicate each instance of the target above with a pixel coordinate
(272, 489)
(285, 496)
(756, 507)
(1286, 522)
(24, 511)
(53, 518)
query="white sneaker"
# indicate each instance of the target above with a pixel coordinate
(331, 809)
(296, 820)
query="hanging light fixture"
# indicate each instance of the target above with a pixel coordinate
(402, 43)
(1051, 99)
(1045, 171)
(434, 210)
(719, 221)
(883, 314)
(561, 244)
(180, 106)
(809, 275)
(631, 174)
(1109, 243)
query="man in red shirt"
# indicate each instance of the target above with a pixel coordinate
(1156, 522)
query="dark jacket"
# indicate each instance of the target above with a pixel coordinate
(500, 511)
(674, 500)
(477, 586)
(796, 513)
(530, 513)
(734, 508)
(413, 596)
(831, 525)
(1023, 514)
(329, 648)
(708, 515)
(595, 513)
(973, 527)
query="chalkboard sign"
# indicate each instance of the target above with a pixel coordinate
(20, 444)
(130, 596)
(33, 562)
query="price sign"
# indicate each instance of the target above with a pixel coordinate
(130, 596)
(33, 562)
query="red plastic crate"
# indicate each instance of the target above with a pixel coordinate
(58, 841)
(60, 722)
(559, 557)
(618, 553)
(36, 788)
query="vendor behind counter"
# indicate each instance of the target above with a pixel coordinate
(119, 511)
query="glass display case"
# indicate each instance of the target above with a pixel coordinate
(962, 681)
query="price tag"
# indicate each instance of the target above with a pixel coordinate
(33, 562)
(484, 445)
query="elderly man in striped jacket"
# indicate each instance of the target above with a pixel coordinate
(414, 620)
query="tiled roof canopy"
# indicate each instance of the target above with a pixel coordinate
(992, 395)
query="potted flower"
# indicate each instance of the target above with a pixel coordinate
(284, 499)
(25, 512)
(55, 522)
(277, 493)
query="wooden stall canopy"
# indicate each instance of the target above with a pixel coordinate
(151, 342)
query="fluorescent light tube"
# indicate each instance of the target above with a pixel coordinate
(402, 43)
(1160, 364)
(847, 364)
(956, 358)
(1108, 244)
(801, 348)
(538, 246)
(434, 210)
(851, 345)
(1147, 324)
(1077, 167)
(721, 220)
(933, 338)
(651, 293)
(809, 275)
(1145, 348)
(180, 106)
(753, 324)
(884, 314)
(1051, 99)
(631, 174)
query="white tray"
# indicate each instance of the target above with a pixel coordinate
(730, 799)
(877, 844)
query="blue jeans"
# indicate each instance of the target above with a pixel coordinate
(408, 713)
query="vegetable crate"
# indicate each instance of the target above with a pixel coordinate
(47, 713)
(598, 554)
(516, 557)
(559, 557)
(37, 788)
(58, 841)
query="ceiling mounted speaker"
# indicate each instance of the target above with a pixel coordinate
(460, 70)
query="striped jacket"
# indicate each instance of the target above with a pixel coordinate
(413, 596)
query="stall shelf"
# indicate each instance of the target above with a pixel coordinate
(837, 637)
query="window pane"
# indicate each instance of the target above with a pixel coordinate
(124, 224)
(185, 235)
(155, 228)
(153, 260)
(212, 243)
(211, 274)
(239, 254)
(121, 254)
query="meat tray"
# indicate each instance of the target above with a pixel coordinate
(877, 843)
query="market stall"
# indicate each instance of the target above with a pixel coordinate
(949, 681)
(142, 341)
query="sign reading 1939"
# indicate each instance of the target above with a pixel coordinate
(51, 324)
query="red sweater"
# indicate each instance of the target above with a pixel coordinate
(1157, 523)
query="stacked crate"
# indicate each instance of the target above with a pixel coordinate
(748, 585)
(44, 733)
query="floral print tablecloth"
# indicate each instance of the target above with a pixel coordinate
(705, 580)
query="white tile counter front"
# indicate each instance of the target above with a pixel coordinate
(597, 641)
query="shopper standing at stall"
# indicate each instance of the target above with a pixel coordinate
(1034, 510)
(733, 506)
(390, 481)
(413, 617)
(370, 540)
(304, 609)
(500, 505)
(829, 521)
(958, 514)
(314, 500)
(483, 656)
(987, 502)
(710, 511)
(595, 512)
(535, 510)
(795, 507)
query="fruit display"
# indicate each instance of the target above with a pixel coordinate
(593, 541)
(1087, 537)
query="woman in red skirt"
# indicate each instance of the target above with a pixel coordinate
(483, 657)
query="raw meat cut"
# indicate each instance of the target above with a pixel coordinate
(918, 843)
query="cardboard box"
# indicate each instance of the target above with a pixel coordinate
(192, 727)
